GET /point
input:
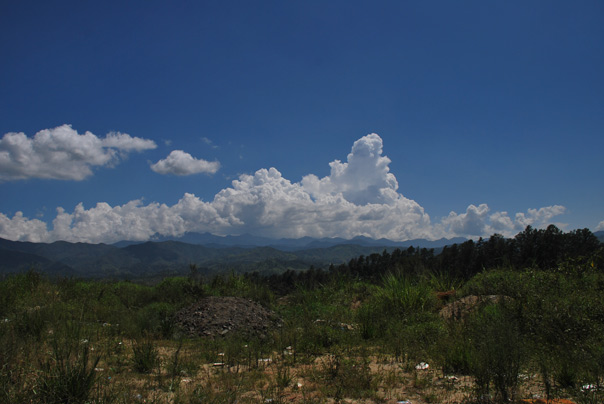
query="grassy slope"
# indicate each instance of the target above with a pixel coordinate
(351, 339)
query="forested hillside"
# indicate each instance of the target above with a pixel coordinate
(533, 248)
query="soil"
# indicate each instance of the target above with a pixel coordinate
(219, 317)
(462, 308)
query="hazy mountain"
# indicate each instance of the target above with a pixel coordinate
(600, 235)
(219, 254)
(290, 244)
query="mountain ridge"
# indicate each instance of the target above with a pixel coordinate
(169, 256)
(248, 240)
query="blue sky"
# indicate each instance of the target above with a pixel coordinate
(124, 120)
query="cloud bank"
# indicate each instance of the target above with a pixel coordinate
(180, 163)
(358, 197)
(61, 153)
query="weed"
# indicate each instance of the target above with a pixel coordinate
(283, 377)
(145, 356)
(497, 351)
(68, 376)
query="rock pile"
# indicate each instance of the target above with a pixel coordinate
(462, 308)
(216, 317)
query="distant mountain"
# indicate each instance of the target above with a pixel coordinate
(168, 257)
(600, 235)
(17, 262)
(291, 244)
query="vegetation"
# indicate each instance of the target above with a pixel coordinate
(369, 331)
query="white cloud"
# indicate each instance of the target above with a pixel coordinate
(539, 217)
(179, 162)
(600, 226)
(363, 179)
(20, 228)
(471, 223)
(359, 197)
(125, 142)
(476, 221)
(209, 142)
(62, 153)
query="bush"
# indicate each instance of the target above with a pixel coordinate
(454, 350)
(67, 377)
(31, 323)
(399, 295)
(156, 319)
(145, 356)
(348, 375)
(497, 351)
(178, 291)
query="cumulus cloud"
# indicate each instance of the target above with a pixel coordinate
(600, 226)
(20, 228)
(62, 153)
(179, 162)
(363, 179)
(471, 223)
(477, 222)
(359, 197)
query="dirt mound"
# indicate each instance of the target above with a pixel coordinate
(463, 307)
(223, 316)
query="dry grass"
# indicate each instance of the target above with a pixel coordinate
(276, 379)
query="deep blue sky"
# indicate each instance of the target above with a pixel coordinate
(496, 103)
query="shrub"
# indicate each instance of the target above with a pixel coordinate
(156, 319)
(400, 295)
(31, 323)
(67, 377)
(178, 291)
(497, 351)
(348, 375)
(145, 356)
(371, 322)
(455, 350)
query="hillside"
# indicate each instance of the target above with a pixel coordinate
(165, 258)
(245, 253)
(291, 244)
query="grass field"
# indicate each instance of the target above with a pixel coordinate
(347, 340)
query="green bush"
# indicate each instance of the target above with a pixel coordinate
(68, 376)
(178, 291)
(400, 295)
(32, 322)
(454, 351)
(497, 351)
(347, 375)
(132, 295)
(145, 356)
(156, 319)
(371, 323)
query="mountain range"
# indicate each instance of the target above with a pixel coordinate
(172, 256)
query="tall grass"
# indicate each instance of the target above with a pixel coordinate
(401, 295)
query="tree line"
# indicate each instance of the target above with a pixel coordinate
(543, 249)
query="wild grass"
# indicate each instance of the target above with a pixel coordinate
(83, 341)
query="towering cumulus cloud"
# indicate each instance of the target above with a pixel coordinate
(358, 197)
(61, 153)
(364, 179)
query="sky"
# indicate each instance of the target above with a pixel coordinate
(397, 119)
